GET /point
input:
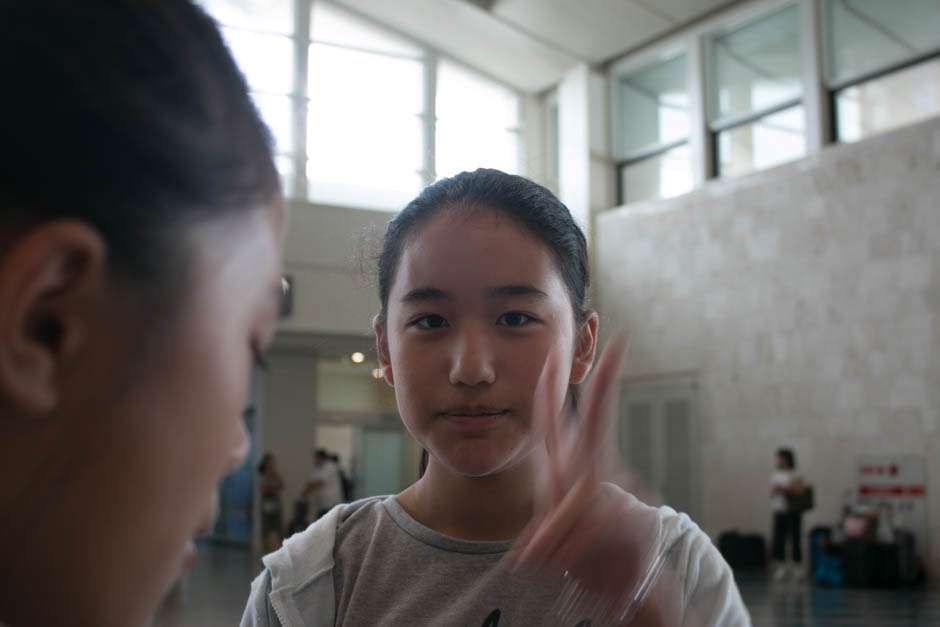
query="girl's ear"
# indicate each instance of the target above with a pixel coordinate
(584, 348)
(50, 282)
(381, 349)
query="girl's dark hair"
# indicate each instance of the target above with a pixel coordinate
(531, 205)
(788, 456)
(131, 116)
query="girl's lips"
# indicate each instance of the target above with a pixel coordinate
(476, 419)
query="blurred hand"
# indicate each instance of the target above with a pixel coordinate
(597, 540)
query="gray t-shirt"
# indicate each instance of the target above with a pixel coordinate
(391, 570)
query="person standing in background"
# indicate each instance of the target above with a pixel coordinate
(787, 523)
(324, 484)
(272, 527)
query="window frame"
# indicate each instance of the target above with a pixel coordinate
(628, 67)
(296, 189)
(696, 41)
(833, 88)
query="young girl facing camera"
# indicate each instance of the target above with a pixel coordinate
(483, 333)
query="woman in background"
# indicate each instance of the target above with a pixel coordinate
(787, 523)
(272, 526)
(141, 229)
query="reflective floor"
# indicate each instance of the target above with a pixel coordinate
(214, 595)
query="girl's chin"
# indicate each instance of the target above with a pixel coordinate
(477, 464)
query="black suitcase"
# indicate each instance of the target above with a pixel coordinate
(860, 560)
(743, 552)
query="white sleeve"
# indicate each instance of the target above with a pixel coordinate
(258, 611)
(712, 598)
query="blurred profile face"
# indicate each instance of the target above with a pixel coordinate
(147, 422)
(782, 463)
(476, 304)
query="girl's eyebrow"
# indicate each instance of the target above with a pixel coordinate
(425, 294)
(522, 289)
(428, 294)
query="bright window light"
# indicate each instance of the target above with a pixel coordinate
(477, 123)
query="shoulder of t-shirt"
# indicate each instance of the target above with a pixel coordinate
(710, 594)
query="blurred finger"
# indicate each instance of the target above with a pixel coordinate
(584, 533)
(601, 398)
(547, 415)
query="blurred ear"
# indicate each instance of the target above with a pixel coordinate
(49, 279)
(584, 348)
(381, 349)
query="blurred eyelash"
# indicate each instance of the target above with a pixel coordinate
(525, 318)
(424, 322)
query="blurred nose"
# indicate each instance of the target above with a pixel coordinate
(241, 446)
(472, 362)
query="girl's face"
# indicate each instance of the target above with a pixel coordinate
(149, 419)
(476, 305)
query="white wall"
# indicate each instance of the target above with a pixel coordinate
(326, 250)
(806, 299)
(288, 413)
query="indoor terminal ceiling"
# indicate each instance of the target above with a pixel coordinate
(530, 44)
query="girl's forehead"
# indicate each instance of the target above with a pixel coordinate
(475, 250)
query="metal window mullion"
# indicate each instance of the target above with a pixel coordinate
(520, 132)
(817, 113)
(699, 138)
(753, 116)
(429, 166)
(299, 100)
(652, 151)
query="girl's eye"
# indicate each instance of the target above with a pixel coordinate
(514, 319)
(431, 321)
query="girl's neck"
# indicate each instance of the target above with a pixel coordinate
(495, 507)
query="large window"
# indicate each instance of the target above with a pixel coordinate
(653, 131)
(365, 121)
(756, 107)
(768, 83)
(883, 64)
(478, 123)
(363, 117)
(260, 36)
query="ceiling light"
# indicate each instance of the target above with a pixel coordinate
(357, 358)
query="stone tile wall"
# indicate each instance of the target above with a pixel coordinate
(807, 300)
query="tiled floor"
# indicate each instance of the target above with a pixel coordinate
(214, 595)
(792, 604)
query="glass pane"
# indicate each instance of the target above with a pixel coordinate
(276, 16)
(770, 141)
(466, 96)
(332, 25)
(266, 60)
(354, 82)
(757, 66)
(655, 105)
(894, 100)
(365, 135)
(665, 175)
(866, 35)
(276, 113)
(477, 123)
(463, 147)
(382, 461)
